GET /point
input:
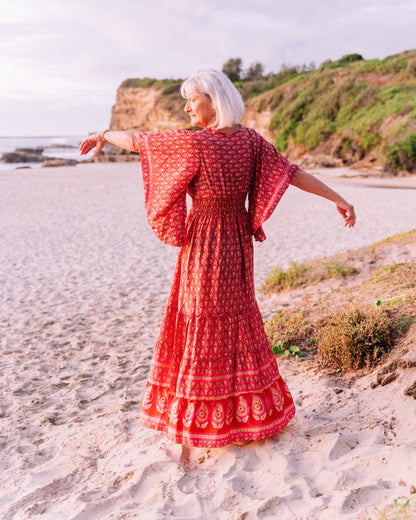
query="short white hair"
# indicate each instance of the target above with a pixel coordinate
(226, 99)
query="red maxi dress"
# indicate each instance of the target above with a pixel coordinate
(214, 379)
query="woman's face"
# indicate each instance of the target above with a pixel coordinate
(199, 107)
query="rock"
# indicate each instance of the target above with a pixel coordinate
(52, 162)
(389, 378)
(112, 153)
(411, 391)
(147, 110)
(61, 146)
(117, 158)
(21, 157)
(37, 151)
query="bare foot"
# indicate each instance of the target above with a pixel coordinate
(242, 443)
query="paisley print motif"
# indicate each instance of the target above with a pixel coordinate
(188, 416)
(162, 402)
(148, 397)
(218, 415)
(277, 398)
(258, 409)
(202, 416)
(242, 410)
(174, 411)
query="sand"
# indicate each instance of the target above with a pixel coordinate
(83, 284)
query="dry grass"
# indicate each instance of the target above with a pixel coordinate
(401, 509)
(342, 266)
(305, 273)
(358, 336)
(356, 326)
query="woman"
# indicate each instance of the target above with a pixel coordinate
(214, 379)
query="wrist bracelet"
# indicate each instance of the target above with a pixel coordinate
(103, 135)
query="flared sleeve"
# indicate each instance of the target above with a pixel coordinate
(169, 162)
(271, 179)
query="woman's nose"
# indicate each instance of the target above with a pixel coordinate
(187, 108)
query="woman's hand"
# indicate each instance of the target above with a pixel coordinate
(347, 212)
(96, 141)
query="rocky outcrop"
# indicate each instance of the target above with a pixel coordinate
(259, 113)
(35, 155)
(148, 110)
(23, 155)
(51, 162)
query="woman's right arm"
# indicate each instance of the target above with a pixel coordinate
(307, 182)
(123, 139)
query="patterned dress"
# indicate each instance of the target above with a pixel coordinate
(214, 379)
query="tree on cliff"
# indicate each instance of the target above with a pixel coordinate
(232, 69)
(255, 71)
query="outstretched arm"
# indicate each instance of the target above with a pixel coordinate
(307, 182)
(122, 139)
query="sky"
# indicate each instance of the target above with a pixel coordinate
(61, 61)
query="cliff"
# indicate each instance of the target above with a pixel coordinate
(351, 112)
(147, 109)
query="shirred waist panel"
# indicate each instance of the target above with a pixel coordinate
(219, 205)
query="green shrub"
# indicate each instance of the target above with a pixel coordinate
(356, 337)
(349, 58)
(168, 86)
(401, 155)
(305, 273)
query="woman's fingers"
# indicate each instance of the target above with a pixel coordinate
(347, 212)
(86, 146)
(93, 141)
(98, 147)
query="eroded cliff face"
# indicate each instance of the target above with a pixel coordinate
(147, 110)
(259, 112)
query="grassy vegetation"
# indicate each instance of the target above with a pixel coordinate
(400, 237)
(350, 334)
(359, 336)
(400, 509)
(366, 106)
(352, 328)
(168, 86)
(305, 273)
(342, 265)
(349, 100)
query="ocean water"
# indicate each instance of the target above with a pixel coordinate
(62, 147)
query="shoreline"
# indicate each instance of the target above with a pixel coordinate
(350, 176)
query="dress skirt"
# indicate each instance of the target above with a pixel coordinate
(214, 379)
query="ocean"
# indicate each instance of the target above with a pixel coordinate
(61, 147)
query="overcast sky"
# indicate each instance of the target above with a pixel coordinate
(61, 61)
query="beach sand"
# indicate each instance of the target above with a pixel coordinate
(83, 286)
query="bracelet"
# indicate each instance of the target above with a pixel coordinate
(103, 135)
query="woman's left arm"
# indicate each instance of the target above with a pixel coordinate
(307, 182)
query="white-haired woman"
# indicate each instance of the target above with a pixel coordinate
(214, 379)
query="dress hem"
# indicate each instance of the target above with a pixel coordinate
(250, 434)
